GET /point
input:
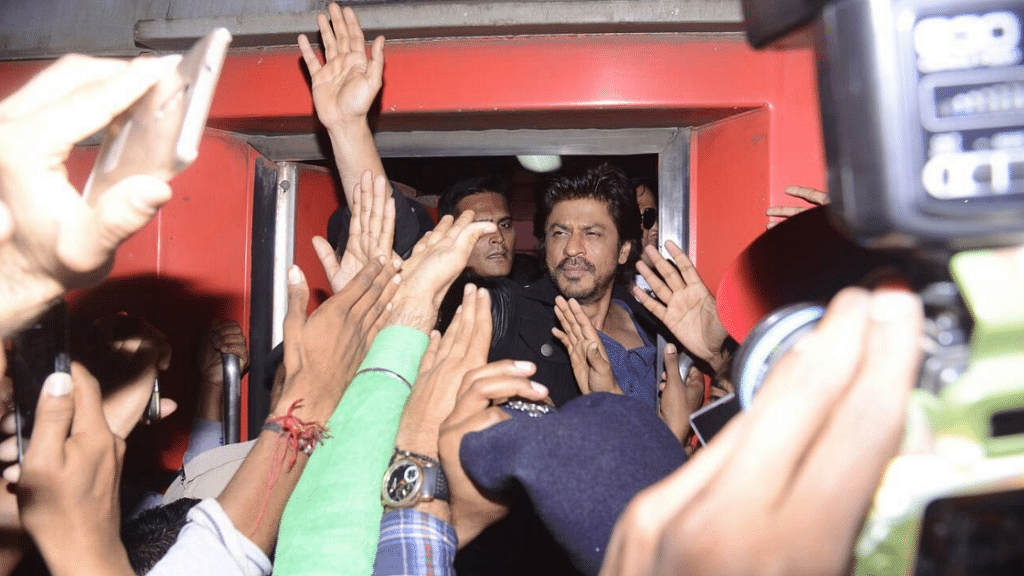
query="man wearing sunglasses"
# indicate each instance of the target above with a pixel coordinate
(647, 200)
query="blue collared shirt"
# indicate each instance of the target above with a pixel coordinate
(635, 370)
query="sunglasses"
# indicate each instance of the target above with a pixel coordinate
(649, 218)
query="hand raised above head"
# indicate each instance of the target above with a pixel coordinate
(463, 347)
(346, 84)
(51, 239)
(371, 232)
(323, 351)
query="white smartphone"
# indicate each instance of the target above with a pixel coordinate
(159, 134)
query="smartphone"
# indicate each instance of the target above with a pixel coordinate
(37, 352)
(159, 134)
(710, 419)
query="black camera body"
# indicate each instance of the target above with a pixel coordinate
(923, 115)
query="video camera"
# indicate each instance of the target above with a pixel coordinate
(923, 116)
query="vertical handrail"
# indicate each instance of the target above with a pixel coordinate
(232, 399)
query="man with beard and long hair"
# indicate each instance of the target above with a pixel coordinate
(590, 241)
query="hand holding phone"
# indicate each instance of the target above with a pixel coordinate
(37, 352)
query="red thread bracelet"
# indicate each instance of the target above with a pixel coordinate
(298, 435)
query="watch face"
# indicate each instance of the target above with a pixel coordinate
(402, 483)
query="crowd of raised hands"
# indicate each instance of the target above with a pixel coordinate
(748, 503)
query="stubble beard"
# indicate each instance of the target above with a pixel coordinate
(573, 289)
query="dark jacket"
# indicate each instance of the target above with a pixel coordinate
(523, 319)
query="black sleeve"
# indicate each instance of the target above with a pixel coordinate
(412, 221)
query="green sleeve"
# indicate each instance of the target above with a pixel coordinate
(332, 520)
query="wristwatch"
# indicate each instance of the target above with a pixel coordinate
(412, 478)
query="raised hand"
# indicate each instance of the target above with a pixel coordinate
(346, 84)
(684, 304)
(436, 260)
(344, 88)
(371, 232)
(463, 347)
(323, 351)
(52, 239)
(587, 355)
(448, 358)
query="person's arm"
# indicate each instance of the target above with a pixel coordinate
(319, 354)
(53, 240)
(344, 88)
(476, 408)
(415, 542)
(210, 535)
(447, 359)
(337, 502)
(421, 539)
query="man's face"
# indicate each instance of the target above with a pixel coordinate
(582, 249)
(645, 198)
(492, 255)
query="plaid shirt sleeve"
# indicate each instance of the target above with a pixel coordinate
(414, 543)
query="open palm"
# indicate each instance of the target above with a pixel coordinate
(684, 303)
(346, 84)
